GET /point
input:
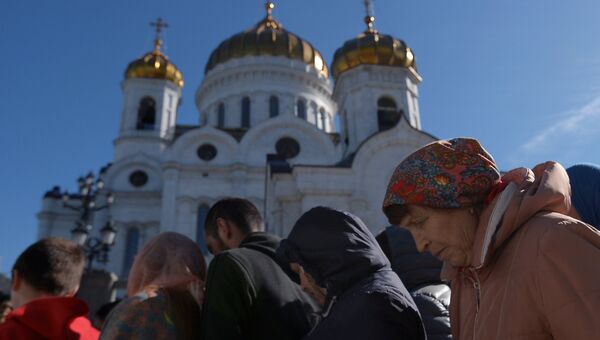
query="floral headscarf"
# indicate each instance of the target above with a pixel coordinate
(444, 174)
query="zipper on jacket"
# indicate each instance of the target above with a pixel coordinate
(474, 278)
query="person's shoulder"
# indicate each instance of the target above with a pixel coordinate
(379, 300)
(141, 314)
(433, 299)
(227, 266)
(554, 235)
(229, 258)
(243, 257)
(550, 225)
(435, 292)
(137, 307)
(84, 329)
(9, 329)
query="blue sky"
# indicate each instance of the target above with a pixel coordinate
(521, 76)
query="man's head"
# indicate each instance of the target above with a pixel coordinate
(49, 267)
(229, 221)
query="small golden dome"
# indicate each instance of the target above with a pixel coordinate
(155, 64)
(372, 48)
(267, 37)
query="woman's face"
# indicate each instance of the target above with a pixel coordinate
(447, 234)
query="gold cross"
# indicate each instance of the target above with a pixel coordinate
(159, 24)
(370, 17)
(269, 7)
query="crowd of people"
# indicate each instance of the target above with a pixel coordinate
(470, 253)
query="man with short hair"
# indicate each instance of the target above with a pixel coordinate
(228, 222)
(248, 295)
(45, 278)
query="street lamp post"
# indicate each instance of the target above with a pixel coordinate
(95, 248)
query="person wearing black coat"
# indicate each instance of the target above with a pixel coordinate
(420, 273)
(337, 259)
(248, 294)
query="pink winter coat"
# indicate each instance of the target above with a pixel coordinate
(535, 272)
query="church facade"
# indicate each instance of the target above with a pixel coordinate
(274, 127)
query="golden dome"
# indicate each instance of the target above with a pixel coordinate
(155, 64)
(267, 37)
(372, 48)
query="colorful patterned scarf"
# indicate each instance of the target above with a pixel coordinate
(444, 174)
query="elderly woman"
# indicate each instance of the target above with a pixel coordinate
(519, 266)
(165, 292)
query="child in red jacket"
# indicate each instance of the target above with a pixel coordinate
(45, 278)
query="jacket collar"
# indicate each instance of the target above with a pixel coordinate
(49, 316)
(491, 218)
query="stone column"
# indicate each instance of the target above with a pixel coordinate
(169, 199)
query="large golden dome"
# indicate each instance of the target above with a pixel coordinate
(372, 48)
(155, 65)
(267, 37)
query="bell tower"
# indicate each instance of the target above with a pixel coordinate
(376, 84)
(151, 97)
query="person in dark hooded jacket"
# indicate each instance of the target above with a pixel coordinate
(338, 261)
(420, 273)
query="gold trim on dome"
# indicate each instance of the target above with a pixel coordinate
(267, 37)
(155, 64)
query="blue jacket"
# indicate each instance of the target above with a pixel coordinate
(365, 298)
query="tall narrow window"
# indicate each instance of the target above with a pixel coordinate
(346, 128)
(221, 115)
(323, 118)
(132, 240)
(273, 106)
(146, 114)
(202, 211)
(245, 112)
(388, 114)
(301, 109)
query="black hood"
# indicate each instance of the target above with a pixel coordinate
(334, 247)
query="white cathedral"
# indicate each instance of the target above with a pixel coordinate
(273, 127)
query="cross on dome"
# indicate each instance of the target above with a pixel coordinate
(159, 24)
(370, 17)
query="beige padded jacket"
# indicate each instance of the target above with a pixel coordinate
(535, 272)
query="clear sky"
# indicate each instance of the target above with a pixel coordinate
(521, 76)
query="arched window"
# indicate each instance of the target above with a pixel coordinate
(132, 240)
(221, 115)
(246, 112)
(202, 212)
(146, 114)
(388, 114)
(301, 108)
(323, 119)
(273, 106)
